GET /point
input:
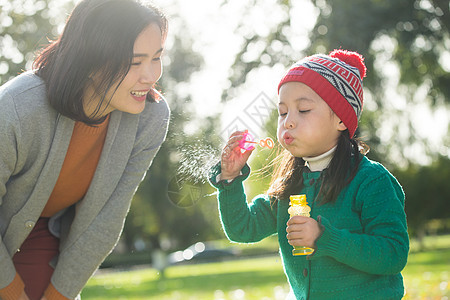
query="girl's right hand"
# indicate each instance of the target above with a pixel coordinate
(233, 160)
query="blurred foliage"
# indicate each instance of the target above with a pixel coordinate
(24, 28)
(427, 192)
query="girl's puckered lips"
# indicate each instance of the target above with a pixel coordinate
(288, 139)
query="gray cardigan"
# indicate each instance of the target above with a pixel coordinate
(33, 143)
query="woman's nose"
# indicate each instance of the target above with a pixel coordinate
(151, 74)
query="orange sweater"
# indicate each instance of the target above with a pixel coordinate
(76, 174)
(78, 168)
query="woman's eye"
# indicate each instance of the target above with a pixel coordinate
(157, 58)
(135, 64)
(304, 111)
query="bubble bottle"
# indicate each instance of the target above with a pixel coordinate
(299, 207)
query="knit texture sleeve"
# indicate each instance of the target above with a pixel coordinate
(10, 136)
(382, 248)
(243, 222)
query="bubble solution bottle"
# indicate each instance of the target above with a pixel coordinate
(299, 207)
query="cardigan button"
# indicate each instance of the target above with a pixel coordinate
(305, 272)
(29, 224)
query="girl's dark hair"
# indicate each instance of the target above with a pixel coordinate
(288, 176)
(99, 36)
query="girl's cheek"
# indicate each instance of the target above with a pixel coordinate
(279, 137)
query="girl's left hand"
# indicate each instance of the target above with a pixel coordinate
(302, 231)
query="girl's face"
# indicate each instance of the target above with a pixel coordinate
(306, 124)
(144, 72)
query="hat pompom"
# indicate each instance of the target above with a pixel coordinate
(352, 58)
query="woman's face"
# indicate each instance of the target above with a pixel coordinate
(145, 70)
(306, 124)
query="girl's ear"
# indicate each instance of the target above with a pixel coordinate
(341, 126)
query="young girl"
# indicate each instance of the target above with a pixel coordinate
(357, 225)
(77, 136)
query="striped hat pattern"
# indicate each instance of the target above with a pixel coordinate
(337, 79)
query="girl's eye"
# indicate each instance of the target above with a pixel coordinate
(304, 111)
(282, 114)
(157, 58)
(136, 64)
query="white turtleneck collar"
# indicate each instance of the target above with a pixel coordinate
(320, 162)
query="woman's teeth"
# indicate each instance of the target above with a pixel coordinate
(139, 94)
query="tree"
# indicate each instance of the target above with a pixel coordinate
(24, 28)
(427, 194)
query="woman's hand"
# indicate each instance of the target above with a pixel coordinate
(302, 231)
(233, 160)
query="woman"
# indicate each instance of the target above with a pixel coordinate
(78, 135)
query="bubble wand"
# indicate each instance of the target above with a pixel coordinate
(248, 141)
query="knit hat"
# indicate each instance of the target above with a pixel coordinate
(337, 79)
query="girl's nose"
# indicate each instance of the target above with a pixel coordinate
(289, 123)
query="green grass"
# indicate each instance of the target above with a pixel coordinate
(256, 278)
(427, 276)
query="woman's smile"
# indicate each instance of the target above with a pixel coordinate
(140, 95)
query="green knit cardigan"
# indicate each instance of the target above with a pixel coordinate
(364, 243)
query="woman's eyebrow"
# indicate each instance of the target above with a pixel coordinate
(146, 55)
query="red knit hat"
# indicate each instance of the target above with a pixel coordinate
(337, 79)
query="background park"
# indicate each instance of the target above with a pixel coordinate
(222, 62)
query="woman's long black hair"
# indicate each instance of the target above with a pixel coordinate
(99, 37)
